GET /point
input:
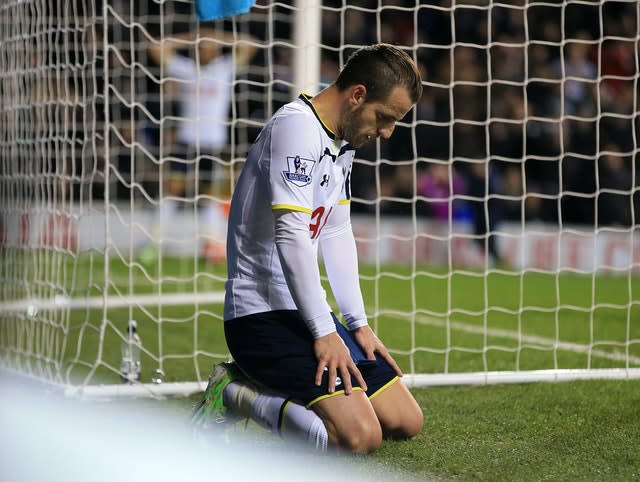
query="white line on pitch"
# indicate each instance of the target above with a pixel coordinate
(532, 339)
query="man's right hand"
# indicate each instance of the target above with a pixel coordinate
(333, 355)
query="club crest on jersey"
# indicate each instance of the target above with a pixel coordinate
(300, 170)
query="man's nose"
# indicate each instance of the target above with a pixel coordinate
(385, 132)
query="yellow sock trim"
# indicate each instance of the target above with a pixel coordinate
(283, 410)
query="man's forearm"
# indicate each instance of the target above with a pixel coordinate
(296, 254)
(340, 258)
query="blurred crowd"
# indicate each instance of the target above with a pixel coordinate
(528, 113)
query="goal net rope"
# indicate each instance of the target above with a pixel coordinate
(496, 229)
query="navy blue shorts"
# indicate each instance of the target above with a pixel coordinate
(276, 349)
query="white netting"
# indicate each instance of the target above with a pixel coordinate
(49, 163)
(496, 229)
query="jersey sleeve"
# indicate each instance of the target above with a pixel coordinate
(303, 278)
(340, 257)
(295, 149)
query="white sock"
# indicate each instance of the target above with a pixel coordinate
(240, 398)
(299, 422)
(277, 414)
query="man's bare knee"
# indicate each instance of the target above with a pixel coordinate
(360, 438)
(407, 427)
(413, 426)
(398, 412)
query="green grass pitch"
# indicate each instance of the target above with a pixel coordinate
(433, 320)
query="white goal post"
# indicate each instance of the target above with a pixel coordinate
(497, 230)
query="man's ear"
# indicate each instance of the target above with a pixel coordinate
(358, 94)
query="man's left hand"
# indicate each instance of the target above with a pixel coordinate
(371, 344)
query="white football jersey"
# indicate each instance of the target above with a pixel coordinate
(296, 163)
(205, 97)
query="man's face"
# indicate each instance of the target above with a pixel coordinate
(368, 120)
(207, 51)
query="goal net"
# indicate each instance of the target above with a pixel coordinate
(496, 229)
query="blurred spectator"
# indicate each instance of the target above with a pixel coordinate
(205, 91)
(579, 73)
(513, 192)
(617, 65)
(616, 121)
(542, 169)
(507, 59)
(484, 186)
(440, 189)
(360, 23)
(507, 131)
(614, 185)
(543, 87)
(397, 189)
(578, 170)
(517, 204)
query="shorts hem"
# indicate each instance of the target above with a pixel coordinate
(384, 387)
(329, 395)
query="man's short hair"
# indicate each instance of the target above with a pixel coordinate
(381, 68)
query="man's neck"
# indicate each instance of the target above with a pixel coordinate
(328, 106)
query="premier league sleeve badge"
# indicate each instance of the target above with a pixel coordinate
(299, 170)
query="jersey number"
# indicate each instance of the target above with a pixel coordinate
(318, 220)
